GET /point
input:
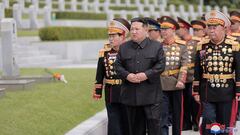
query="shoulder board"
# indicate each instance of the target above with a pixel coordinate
(235, 44)
(107, 46)
(203, 41)
(231, 37)
(101, 53)
(182, 42)
(196, 38)
(235, 34)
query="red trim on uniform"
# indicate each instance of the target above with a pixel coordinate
(182, 113)
(233, 113)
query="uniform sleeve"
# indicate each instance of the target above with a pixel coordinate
(159, 66)
(99, 74)
(237, 70)
(197, 75)
(121, 71)
(182, 76)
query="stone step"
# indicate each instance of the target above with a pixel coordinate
(56, 63)
(32, 59)
(15, 84)
(30, 53)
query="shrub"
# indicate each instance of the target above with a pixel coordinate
(8, 13)
(80, 15)
(71, 33)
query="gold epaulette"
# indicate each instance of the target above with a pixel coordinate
(235, 44)
(235, 34)
(107, 46)
(101, 53)
(231, 37)
(196, 38)
(179, 41)
(203, 41)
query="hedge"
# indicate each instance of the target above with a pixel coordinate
(71, 33)
(8, 13)
(80, 15)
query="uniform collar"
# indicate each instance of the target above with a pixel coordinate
(142, 44)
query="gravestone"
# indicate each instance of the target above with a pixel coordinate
(208, 8)
(6, 3)
(151, 9)
(33, 17)
(106, 6)
(191, 12)
(200, 10)
(96, 6)
(123, 14)
(181, 10)
(48, 3)
(172, 10)
(140, 9)
(21, 4)
(225, 10)
(135, 14)
(128, 3)
(9, 35)
(17, 15)
(36, 4)
(74, 5)
(47, 16)
(110, 15)
(137, 2)
(118, 2)
(61, 5)
(146, 2)
(2, 11)
(84, 6)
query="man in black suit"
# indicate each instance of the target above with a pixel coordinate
(139, 63)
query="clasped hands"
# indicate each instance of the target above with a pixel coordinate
(136, 78)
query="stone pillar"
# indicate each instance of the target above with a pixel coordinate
(74, 5)
(123, 14)
(17, 15)
(9, 35)
(200, 10)
(6, 3)
(225, 10)
(118, 2)
(61, 5)
(2, 11)
(146, 2)
(33, 17)
(110, 15)
(181, 10)
(172, 9)
(96, 6)
(151, 9)
(47, 16)
(191, 12)
(106, 6)
(128, 3)
(140, 9)
(208, 8)
(137, 2)
(21, 4)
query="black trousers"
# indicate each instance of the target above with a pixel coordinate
(172, 100)
(116, 119)
(191, 108)
(142, 119)
(217, 112)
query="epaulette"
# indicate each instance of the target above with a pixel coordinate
(203, 41)
(235, 44)
(231, 37)
(235, 34)
(179, 41)
(101, 53)
(196, 38)
(107, 46)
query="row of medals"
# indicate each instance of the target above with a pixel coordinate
(224, 63)
(173, 56)
(109, 66)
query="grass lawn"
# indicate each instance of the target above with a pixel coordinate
(49, 108)
(27, 32)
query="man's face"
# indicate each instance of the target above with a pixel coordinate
(235, 27)
(216, 32)
(167, 33)
(115, 39)
(138, 31)
(154, 34)
(181, 32)
(199, 32)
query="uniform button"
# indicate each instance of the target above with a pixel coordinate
(138, 62)
(136, 70)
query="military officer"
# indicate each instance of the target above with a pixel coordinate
(153, 29)
(235, 27)
(199, 28)
(216, 68)
(174, 76)
(118, 29)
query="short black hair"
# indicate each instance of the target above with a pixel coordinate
(140, 19)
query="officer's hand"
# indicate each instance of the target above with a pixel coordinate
(141, 76)
(180, 85)
(133, 78)
(238, 98)
(97, 97)
(197, 98)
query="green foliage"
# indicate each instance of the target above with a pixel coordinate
(71, 33)
(8, 13)
(80, 15)
(49, 108)
(122, 8)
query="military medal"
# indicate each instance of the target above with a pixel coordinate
(173, 48)
(215, 63)
(225, 69)
(218, 85)
(209, 57)
(220, 58)
(177, 58)
(172, 58)
(172, 63)
(214, 57)
(209, 63)
(215, 68)
(224, 50)
(220, 63)
(209, 50)
(221, 69)
(172, 53)
(230, 50)
(167, 53)
(213, 85)
(210, 69)
(177, 53)
(167, 58)
(167, 63)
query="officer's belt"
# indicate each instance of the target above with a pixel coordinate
(190, 65)
(114, 81)
(218, 76)
(170, 72)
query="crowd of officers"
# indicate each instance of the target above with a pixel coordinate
(164, 76)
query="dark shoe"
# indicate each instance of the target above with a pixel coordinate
(186, 128)
(195, 127)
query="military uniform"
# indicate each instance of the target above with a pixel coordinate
(216, 66)
(106, 76)
(175, 71)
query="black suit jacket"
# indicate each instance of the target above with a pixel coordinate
(147, 57)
